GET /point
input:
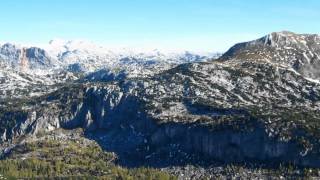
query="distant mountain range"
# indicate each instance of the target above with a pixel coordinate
(88, 57)
(61, 61)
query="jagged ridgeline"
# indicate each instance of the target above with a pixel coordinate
(34, 71)
(257, 104)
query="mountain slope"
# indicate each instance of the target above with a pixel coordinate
(299, 51)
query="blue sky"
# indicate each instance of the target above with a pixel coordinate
(212, 25)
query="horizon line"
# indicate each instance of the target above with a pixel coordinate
(146, 45)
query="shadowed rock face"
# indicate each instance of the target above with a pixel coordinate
(34, 57)
(236, 109)
(39, 57)
(231, 146)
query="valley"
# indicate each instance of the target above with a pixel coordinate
(252, 112)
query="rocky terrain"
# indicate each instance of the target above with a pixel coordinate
(301, 52)
(252, 113)
(33, 71)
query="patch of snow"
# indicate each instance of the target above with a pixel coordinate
(313, 80)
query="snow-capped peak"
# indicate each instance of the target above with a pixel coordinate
(57, 42)
(85, 56)
(57, 47)
(78, 50)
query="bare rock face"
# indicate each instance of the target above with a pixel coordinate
(24, 63)
(26, 58)
(39, 57)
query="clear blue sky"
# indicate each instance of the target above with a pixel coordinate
(189, 24)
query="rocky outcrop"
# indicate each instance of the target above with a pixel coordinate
(26, 58)
(24, 64)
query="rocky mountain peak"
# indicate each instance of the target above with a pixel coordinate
(20, 57)
(301, 52)
(285, 39)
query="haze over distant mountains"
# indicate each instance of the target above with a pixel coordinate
(81, 52)
(60, 61)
